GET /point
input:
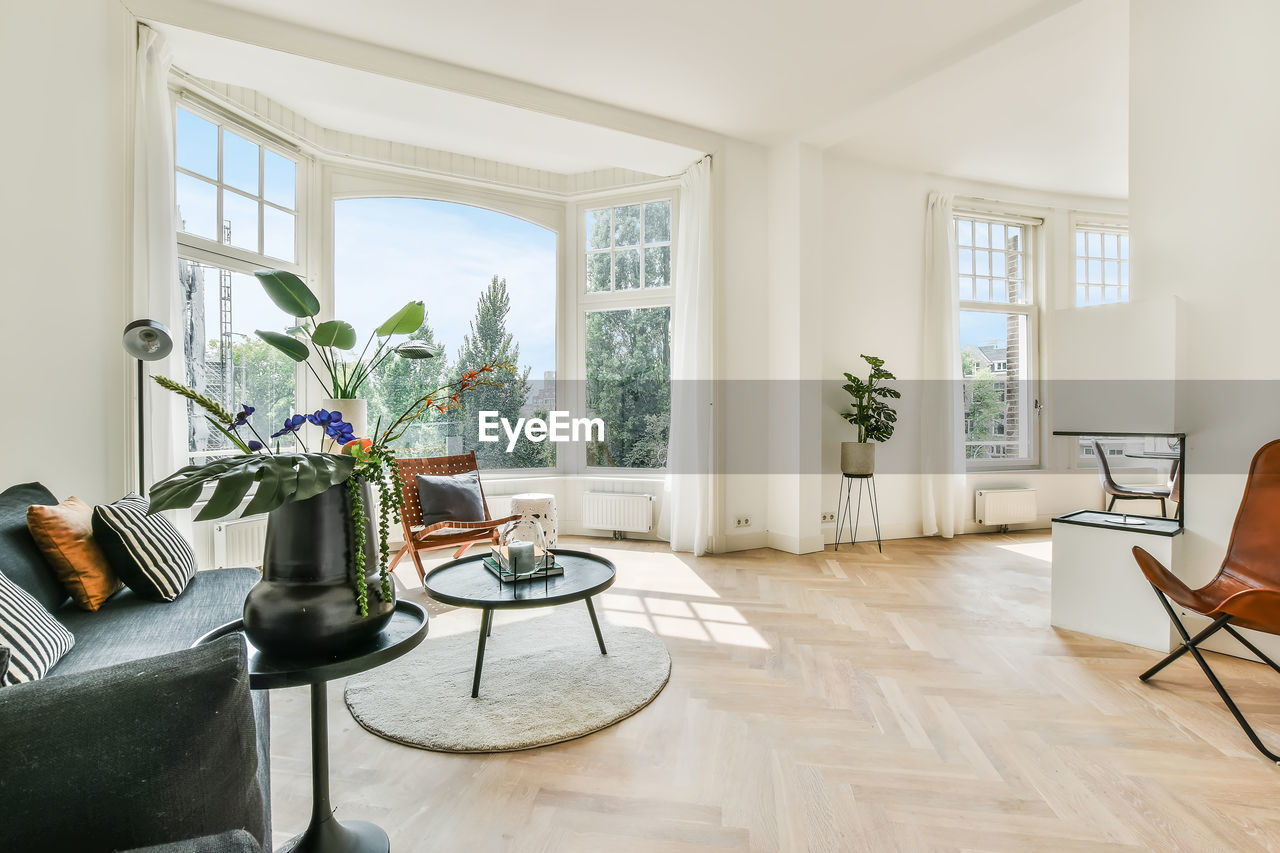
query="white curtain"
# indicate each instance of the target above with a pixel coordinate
(942, 398)
(155, 263)
(687, 510)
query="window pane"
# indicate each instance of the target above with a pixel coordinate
(657, 266)
(239, 221)
(599, 228)
(966, 262)
(982, 261)
(1080, 251)
(1095, 272)
(277, 234)
(278, 178)
(598, 272)
(626, 225)
(997, 236)
(196, 144)
(1124, 246)
(997, 418)
(239, 162)
(628, 359)
(227, 361)
(1082, 270)
(1095, 244)
(657, 222)
(626, 269)
(1110, 275)
(964, 232)
(980, 235)
(966, 287)
(483, 306)
(197, 207)
(1109, 245)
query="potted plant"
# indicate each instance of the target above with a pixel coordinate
(329, 340)
(869, 412)
(325, 580)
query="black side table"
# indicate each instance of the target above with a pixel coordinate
(844, 508)
(466, 582)
(407, 629)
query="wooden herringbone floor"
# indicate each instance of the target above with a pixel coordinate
(917, 700)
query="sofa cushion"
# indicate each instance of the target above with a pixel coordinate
(128, 626)
(142, 753)
(236, 841)
(147, 551)
(35, 639)
(64, 534)
(20, 559)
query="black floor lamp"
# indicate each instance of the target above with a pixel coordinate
(145, 340)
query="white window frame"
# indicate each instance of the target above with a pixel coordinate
(1107, 223)
(341, 182)
(212, 253)
(1035, 292)
(210, 249)
(615, 300)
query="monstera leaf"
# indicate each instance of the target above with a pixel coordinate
(282, 478)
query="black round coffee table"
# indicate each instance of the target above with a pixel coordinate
(467, 583)
(407, 628)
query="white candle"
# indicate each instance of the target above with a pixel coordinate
(520, 555)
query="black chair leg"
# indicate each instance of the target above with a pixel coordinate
(1111, 505)
(1189, 644)
(1162, 509)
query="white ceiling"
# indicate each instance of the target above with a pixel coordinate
(358, 102)
(1046, 108)
(1026, 92)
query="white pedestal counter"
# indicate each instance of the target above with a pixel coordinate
(1097, 587)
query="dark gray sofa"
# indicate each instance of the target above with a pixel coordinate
(127, 628)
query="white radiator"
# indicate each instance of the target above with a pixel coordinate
(240, 542)
(1004, 506)
(617, 512)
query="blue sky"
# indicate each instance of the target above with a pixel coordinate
(389, 251)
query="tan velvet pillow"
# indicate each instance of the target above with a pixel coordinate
(64, 534)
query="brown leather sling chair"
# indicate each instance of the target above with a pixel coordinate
(1246, 591)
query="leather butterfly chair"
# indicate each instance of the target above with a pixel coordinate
(460, 535)
(1246, 591)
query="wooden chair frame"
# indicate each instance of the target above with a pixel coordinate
(419, 537)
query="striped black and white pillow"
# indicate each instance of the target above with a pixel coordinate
(35, 640)
(147, 551)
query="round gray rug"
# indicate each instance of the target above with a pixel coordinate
(544, 681)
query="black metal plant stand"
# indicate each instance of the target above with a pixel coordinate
(844, 513)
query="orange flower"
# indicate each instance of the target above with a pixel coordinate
(357, 446)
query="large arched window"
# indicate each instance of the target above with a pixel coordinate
(489, 283)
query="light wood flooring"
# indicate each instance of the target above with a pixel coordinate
(917, 700)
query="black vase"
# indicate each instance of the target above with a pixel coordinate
(305, 605)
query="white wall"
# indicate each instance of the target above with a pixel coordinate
(872, 302)
(1204, 179)
(64, 67)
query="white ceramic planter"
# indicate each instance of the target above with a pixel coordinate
(354, 412)
(858, 458)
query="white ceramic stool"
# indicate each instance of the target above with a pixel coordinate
(540, 508)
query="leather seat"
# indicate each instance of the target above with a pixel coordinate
(1246, 591)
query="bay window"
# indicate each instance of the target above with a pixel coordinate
(237, 210)
(626, 298)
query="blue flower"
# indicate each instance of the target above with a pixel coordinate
(292, 424)
(255, 446)
(340, 431)
(242, 416)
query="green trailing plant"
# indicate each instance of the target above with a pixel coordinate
(868, 411)
(329, 340)
(283, 478)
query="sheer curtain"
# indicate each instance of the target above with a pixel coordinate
(687, 510)
(155, 262)
(942, 397)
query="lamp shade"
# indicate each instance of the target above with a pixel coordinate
(147, 340)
